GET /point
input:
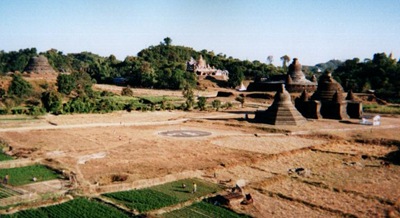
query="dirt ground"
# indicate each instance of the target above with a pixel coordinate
(346, 172)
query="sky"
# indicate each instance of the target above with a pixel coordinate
(312, 31)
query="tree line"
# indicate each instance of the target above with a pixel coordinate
(163, 66)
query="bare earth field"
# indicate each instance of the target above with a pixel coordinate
(345, 175)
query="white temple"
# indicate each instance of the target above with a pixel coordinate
(202, 69)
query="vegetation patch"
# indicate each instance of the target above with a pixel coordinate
(79, 207)
(24, 175)
(203, 209)
(381, 109)
(6, 192)
(163, 195)
(4, 157)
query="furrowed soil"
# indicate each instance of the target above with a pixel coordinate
(348, 170)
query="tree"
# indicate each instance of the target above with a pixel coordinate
(216, 104)
(19, 87)
(270, 59)
(167, 41)
(236, 76)
(285, 59)
(65, 83)
(52, 102)
(202, 103)
(241, 99)
(188, 94)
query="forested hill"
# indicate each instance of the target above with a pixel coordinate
(164, 66)
(160, 66)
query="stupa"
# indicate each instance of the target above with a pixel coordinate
(327, 101)
(281, 112)
(294, 80)
(39, 64)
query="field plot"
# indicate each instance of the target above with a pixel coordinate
(203, 209)
(7, 192)
(348, 176)
(348, 203)
(163, 195)
(24, 175)
(4, 157)
(79, 207)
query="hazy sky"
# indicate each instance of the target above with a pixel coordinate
(313, 31)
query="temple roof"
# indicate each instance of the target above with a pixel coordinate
(327, 87)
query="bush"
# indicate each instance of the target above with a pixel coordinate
(19, 87)
(216, 104)
(127, 91)
(65, 83)
(52, 102)
(202, 103)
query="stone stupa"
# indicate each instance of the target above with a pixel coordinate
(328, 101)
(295, 81)
(39, 65)
(281, 112)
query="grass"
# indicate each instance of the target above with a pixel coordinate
(203, 209)
(4, 157)
(381, 109)
(79, 207)
(163, 195)
(23, 175)
(19, 118)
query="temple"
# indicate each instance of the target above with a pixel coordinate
(294, 80)
(281, 112)
(202, 69)
(328, 101)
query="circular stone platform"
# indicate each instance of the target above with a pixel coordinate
(185, 133)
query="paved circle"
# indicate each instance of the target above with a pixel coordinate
(185, 133)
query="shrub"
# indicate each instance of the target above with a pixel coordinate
(66, 83)
(127, 91)
(202, 103)
(19, 87)
(52, 101)
(216, 104)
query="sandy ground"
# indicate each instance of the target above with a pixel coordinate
(341, 183)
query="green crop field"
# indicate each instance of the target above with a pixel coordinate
(6, 192)
(163, 195)
(5, 157)
(79, 207)
(24, 175)
(203, 209)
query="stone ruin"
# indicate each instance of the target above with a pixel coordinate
(328, 102)
(39, 65)
(281, 112)
(294, 80)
